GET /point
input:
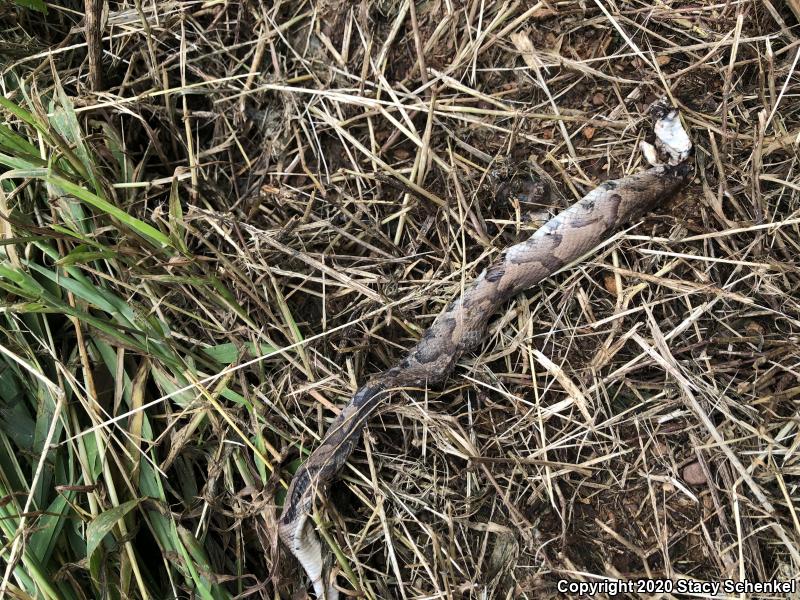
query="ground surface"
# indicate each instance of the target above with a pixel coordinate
(325, 175)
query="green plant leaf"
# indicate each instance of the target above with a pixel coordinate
(22, 114)
(104, 523)
(148, 232)
(16, 144)
(49, 526)
(84, 257)
(230, 353)
(37, 5)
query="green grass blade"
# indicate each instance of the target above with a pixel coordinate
(148, 232)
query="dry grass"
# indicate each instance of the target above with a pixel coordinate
(334, 173)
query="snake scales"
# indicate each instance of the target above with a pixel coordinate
(461, 326)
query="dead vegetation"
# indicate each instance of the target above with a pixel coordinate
(334, 171)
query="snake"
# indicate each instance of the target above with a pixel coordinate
(461, 326)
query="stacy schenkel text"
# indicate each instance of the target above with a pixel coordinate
(679, 586)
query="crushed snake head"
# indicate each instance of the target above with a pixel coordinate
(672, 142)
(462, 324)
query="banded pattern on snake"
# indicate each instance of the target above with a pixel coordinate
(461, 326)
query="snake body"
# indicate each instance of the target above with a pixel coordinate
(461, 327)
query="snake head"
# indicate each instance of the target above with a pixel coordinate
(672, 142)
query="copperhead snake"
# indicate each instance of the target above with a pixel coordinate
(461, 326)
